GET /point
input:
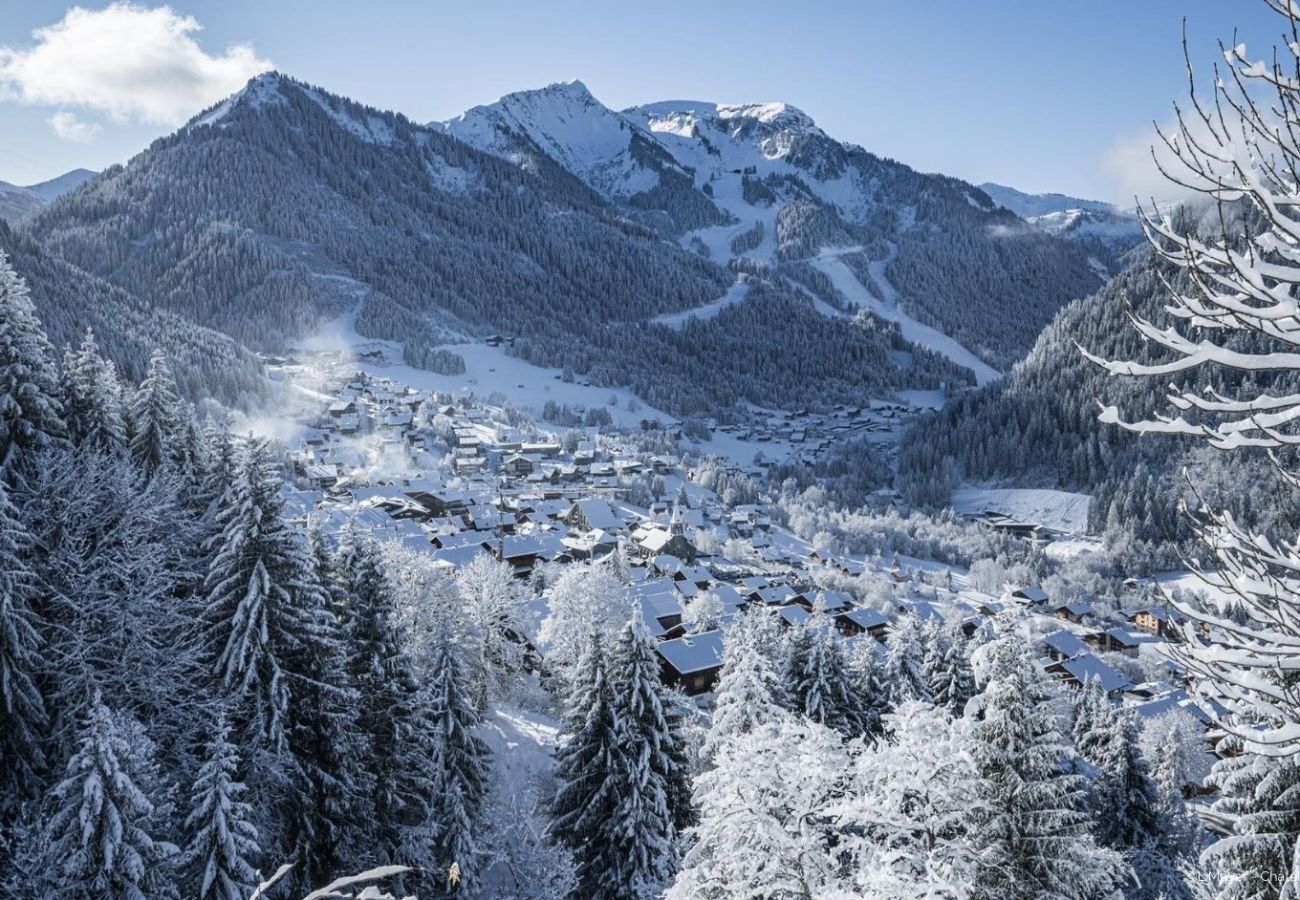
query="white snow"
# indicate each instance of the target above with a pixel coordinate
(847, 282)
(1060, 510)
(735, 294)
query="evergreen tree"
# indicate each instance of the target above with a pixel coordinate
(99, 840)
(92, 399)
(952, 681)
(1125, 802)
(23, 714)
(223, 839)
(31, 418)
(864, 680)
(748, 687)
(265, 608)
(391, 710)
(1260, 796)
(817, 679)
(655, 793)
(460, 765)
(902, 675)
(586, 763)
(1035, 841)
(157, 418)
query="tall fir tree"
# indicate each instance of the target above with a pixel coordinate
(948, 670)
(92, 399)
(654, 773)
(157, 418)
(103, 838)
(586, 764)
(392, 712)
(1036, 840)
(818, 681)
(222, 847)
(864, 680)
(749, 687)
(460, 766)
(31, 417)
(1260, 796)
(23, 712)
(902, 676)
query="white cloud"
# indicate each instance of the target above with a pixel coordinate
(67, 126)
(1128, 165)
(133, 63)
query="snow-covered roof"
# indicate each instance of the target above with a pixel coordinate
(1086, 667)
(865, 618)
(1066, 643)
(694, 653)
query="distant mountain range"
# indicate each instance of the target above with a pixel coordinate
(17, 201)
(708, 256)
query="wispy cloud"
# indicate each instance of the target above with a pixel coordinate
(67, 126)
(131, 63)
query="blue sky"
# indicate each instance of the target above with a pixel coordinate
(1039, 95)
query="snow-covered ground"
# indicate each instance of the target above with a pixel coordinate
(735, 294)
(849, 285)
(490, 370)
(1060, 510)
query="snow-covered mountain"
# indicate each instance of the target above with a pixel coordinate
(763, 184)
(17, 201)
(1105, 230)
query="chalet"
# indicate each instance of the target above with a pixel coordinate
(518, 465)
(1079, 669)
(860, 621)
(519, 551)
(1114, 640)
(1064, 645)
(592, 514)
(1158, 620)
(1031, 595)
(792, 616)
(692, 662)
(442, 504)
(1073, 611)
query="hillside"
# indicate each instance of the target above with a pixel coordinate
(17, 201)
(762, 182)
(284, 206)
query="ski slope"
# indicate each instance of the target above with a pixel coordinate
(677, 321)
(1060, 510)
(829, 262)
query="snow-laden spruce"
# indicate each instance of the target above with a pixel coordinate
(93, 404)
(222, 849)
(31, 416)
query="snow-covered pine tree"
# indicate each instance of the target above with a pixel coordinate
(952, 681)
(748, 687)
(1035, 841)
(392, 714)
(157, 417)
(586, 764)
(902, 676)
(222, 847)
(1260, 796)
(460, 765)
(1092, 715)
(490, 599)
(864, 681)
(23, 714)
(31, 417)
(1125, 802)
(99, 839)
(655, 796)
(817, 680)
(264, 605)
(92, 399)
(219, 464)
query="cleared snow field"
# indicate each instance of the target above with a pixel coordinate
(847, 283)
(735, 294)
(1061, 510)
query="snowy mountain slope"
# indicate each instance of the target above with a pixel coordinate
(284, 207)
(1030, 205)
(17, 201)
(763, 183)
(601, 147)
(1104, 230)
